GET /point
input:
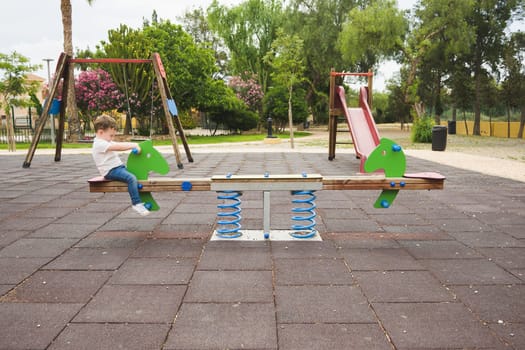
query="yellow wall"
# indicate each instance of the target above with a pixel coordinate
(499, 129)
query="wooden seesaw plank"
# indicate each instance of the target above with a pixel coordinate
(99, 184)
(267, 182)
(381, 183)
(274, 182)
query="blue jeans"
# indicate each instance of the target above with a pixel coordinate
(122, 174)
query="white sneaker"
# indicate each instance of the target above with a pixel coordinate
(141, 209)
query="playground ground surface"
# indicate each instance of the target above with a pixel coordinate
(438, 270)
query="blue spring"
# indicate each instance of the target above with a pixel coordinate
(231, 209)
(307, 228)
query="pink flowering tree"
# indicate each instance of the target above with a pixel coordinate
(96, 93)
(248, 90)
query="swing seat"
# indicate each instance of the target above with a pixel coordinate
(55, 107)
(172, 107)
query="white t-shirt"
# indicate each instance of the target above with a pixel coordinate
(104, 160)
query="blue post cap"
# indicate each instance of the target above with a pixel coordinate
(402, 183)
(186, 186)
(135, 151)
(140, 186)
(396, 148)
(392, 184)
(385, 204)
(148, 205)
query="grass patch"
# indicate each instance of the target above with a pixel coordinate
(204, 140)
(192, 140)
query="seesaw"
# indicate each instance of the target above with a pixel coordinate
(388, 157)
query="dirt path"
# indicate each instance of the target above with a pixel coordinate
(489, 155)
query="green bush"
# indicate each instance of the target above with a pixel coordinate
(275, 105)
(422, 129)
(187, 120)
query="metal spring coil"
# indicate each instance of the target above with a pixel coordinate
(231, 208)
(307, 228)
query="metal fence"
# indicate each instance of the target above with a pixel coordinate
(25, 135)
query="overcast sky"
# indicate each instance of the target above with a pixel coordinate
(33, 28)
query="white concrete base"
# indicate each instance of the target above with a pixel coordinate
(258, 235)
(272, 141)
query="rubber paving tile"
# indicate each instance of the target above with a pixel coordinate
(438, 270)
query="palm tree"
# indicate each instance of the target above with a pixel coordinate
(67, 24)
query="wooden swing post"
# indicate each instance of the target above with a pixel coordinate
(62, 73)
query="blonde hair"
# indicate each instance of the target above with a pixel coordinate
(104, 122)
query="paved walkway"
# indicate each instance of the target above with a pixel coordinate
(438, 270)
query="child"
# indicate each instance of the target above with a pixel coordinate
(108, 162)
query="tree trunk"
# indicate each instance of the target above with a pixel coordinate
(522, 122)
(128, 127)
(10, 131)
(508, 122)
(465, 121)
(476, 130)
(438, 109)
(67, 24)
(414, 62)
(290, 117)
(415, 59)
(420, 109)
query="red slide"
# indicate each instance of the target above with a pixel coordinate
(361, 123)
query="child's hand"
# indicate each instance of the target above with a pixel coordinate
(136, 150)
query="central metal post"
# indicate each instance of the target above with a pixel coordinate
(266, 214)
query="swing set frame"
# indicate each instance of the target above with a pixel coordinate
(62, 73)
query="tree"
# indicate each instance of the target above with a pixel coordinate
(276, 105)
(439, 35)
(248, 90)
(372, 34)
(248, 31)
(15, 89)
(380, 106)
(189, 67)
(67, 24)
(134, 80)
(462, 90)
(513, 86)
(224, 108)
(319, 23)
(488, 20)
(398, 110)
(97, 93)
(287, 61)
(196, 24)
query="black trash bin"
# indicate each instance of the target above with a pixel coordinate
(452, 127)
(439, 138)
